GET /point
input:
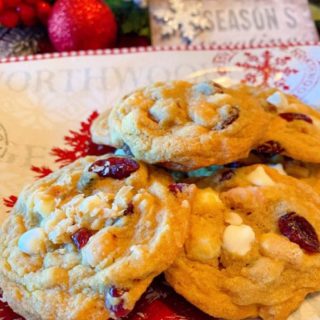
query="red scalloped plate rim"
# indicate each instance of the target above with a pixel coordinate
(150, 49)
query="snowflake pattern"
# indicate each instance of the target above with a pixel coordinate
(41, 171)
(262, 69)
(80, 144)
(10, 201)
(182, 17)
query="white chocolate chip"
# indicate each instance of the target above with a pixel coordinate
(50, 223)
(167, 112)
(91, 203)
(225, 82)
(278, 167)
(206, 200)
(259, 178)
(238, 239)
(274, 245)
(64, 180)
(264, 270)
(33, 241)
(204, 241)
(218, 98)
(278, 100)
(98, 248)
(43, 204)
(233, 218)
(123, 198)
(315, 121)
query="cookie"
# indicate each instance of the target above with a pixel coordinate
(184, 126)
(305, 171)
(253, 245)
(86, 241)
(294, 130)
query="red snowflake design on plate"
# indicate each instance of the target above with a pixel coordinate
(10, 201)
(266, 69)
(80, 144)
(41, 171)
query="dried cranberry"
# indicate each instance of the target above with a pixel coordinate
(114, 167)
(117, 309)
(291, 116)
(269, 149)
(218, 88)
(226, 175)
(229, 115)
(99, 149)
(81, 237)
(298, 230)
(221, 266)
(129, 210)
(177, 187)
(115, 292)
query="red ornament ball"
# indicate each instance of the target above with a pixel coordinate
(81, 25)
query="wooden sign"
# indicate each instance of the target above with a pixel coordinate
(249, 22)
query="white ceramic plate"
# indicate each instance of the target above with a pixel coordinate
(43, 97)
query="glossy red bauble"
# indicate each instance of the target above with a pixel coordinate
(81, 25)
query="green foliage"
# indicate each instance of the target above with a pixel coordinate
(130, 17)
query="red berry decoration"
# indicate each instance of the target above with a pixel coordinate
(43, 10)
(9, 19)
(291, 116)
(298, 230)
(114, 167)
(12, 3)
(81, 25)
(27, 14)
(81, 237)
(23, 12)
(1, 5)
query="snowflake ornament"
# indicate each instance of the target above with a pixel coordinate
(183, 17)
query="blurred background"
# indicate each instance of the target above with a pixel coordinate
(315, 9)
(35, 26)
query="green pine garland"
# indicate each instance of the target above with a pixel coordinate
(131, 18)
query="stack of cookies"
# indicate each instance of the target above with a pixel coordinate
(216, 187)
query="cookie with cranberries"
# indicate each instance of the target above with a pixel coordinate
(86, 241)
(294, 130)
(182, 125)
(253, 247)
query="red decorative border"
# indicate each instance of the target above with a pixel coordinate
(117, 51)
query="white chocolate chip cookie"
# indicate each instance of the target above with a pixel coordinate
(294, 130)
(253, 245)
(184, 126)
(86, 241)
